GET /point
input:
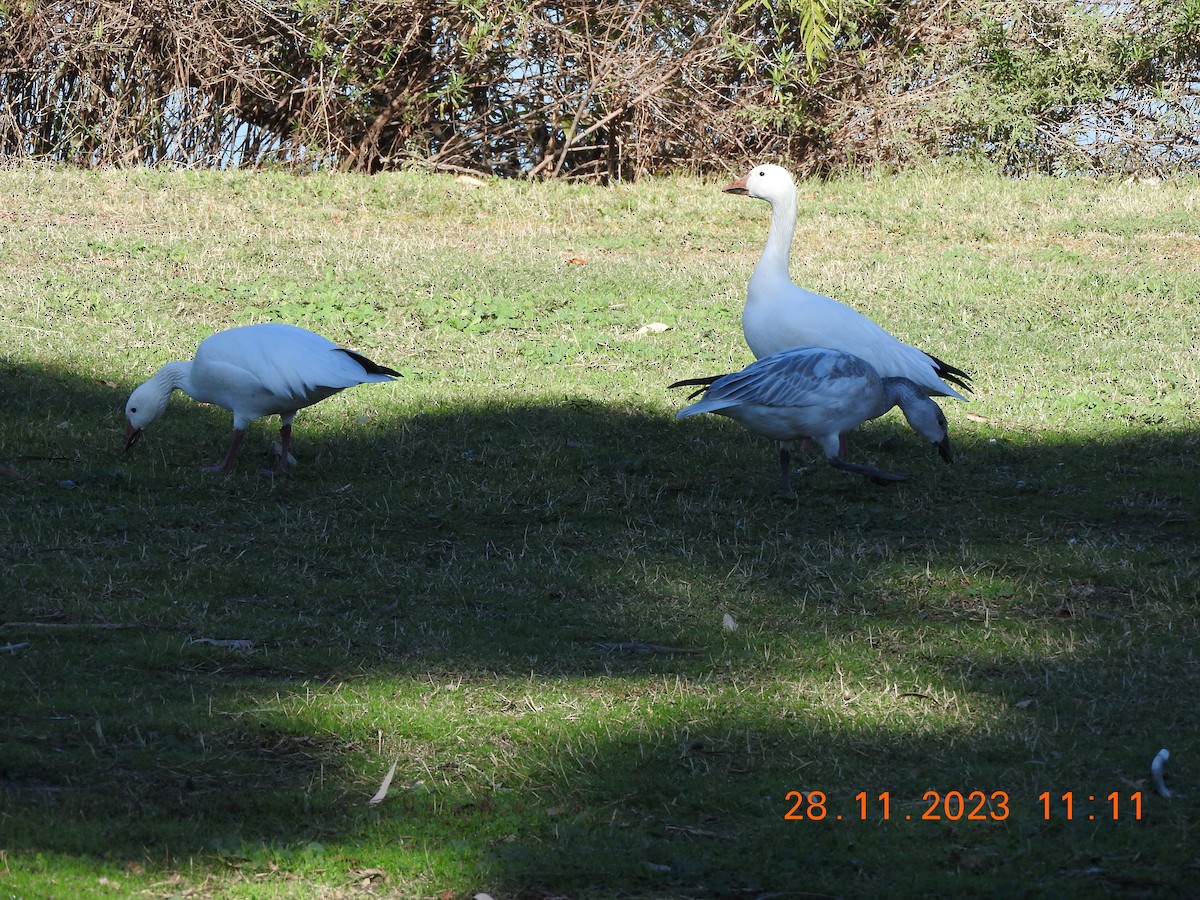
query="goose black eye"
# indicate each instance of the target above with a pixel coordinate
(133, 409)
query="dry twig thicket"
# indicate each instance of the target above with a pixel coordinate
(611, 89)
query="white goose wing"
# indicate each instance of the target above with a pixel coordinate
(259, 370)
(808, 318)
(299, 362)
(790, 379)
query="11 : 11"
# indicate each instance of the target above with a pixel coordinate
(1111, 809)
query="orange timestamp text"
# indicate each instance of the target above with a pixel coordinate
(956, 806)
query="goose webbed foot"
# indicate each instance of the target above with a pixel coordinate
(225, 466)
(870, 472)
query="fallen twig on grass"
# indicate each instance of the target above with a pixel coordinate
(233, 644)
(641, 647)
(383, 788)
(106, 626)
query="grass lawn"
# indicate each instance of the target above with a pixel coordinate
(508, 573)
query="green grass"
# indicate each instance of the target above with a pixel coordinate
(442, 579)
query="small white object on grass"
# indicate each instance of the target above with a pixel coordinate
(728, 623)
(383, 788)
(277, 446)
(1156, 771)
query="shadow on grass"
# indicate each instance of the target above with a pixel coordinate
(522, 603)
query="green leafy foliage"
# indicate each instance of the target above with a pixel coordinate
(805, 28)
(465, 311)
(332, 303)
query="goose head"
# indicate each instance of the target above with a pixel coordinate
(146, 405)
(925, 417)
(766, 182)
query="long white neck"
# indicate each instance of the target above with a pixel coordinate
(154, 394)
(175, 375)
(774, 263)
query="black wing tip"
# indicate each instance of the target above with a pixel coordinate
(687, 382)
(705, 383)
(953, 375)
(370, 366)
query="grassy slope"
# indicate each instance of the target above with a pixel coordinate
(433, 584)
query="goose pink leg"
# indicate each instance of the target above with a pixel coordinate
(226, 465)
(285, 443)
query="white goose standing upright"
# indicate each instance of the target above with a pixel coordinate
(254, 371)
(780, 314)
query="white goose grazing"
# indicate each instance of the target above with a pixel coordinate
(780, 314)
(254, 371)
(814, 392)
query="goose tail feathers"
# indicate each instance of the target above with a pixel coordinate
(705, 383)
(952, 374)
(369, 366)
